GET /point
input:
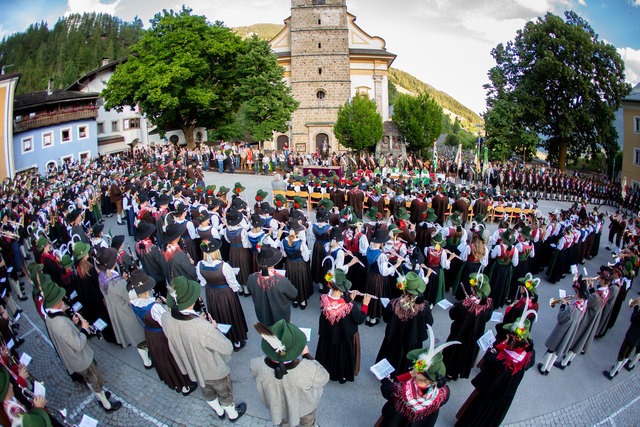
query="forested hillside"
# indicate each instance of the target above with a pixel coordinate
(76, 44)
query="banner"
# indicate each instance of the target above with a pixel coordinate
(485, 166)
(459, 156)
(435, 156)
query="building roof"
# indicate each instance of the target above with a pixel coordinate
(9, 76)
(40, 98)
(77, 85)
(634, 96)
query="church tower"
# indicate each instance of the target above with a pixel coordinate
(320, 74)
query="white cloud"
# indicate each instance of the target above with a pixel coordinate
(631, 59)
(97, 6)
(635, 3)
(584, 3)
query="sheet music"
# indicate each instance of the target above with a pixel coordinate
(307, 333)
(224, 327)
(445, 304)
(384, 301)
(382, 369)
(487, 340)
(496, 316)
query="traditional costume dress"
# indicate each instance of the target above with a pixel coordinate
(526, 253)
(406, 318)
(239, 253)
(297, 264)
(356, 242)
(338, 339)
(221, 288)
(472, 264)
(378, 269)
(319, 236)
(454, 236)
(506, 257)
(436, 259)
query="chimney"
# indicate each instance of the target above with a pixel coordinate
(105, 61)
(50, 87)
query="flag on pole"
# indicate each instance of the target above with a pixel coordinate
(485, 166)
(459, 156)
(435, 156)
(476, 160)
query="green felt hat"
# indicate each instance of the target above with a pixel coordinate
(326, 203)
(288, 344)
(280, 201)
(525, 231)
(261, 196)
(394, 229)
(437, 239)
(223, 190)
(430, 215)
(339, 278)
(80, 249)
(455, 218)
(402, 213)
(299, 202)
(507, 237)
(428, 361)
(33, 268)
(373, 214)
(478, 218)
(530, 283)
(52, 294)
(346, 211)
(480, 283)
(210, 190)
(238, 188)
(190, 182)
(521, 327)
(66, 261)
(413, 284)
(41, 243)
(187, 292)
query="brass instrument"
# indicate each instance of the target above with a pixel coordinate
(634, 302)
(9, 234)
(555, 301)
(28, 394)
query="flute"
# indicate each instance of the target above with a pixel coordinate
(360, 294)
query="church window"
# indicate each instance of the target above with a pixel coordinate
(321, 94)
(318, 2)
(319, 21)
(319, 45)
(319, 70)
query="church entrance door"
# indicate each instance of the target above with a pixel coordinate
(322, 144)
(282, 143)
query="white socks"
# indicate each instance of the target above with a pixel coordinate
(548, 361)
(103, 400)
(144, 355)
(617, 367)
(568, 358)
(231, 411)
(215, 405)
(634, 361)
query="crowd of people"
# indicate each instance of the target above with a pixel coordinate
(379, 244)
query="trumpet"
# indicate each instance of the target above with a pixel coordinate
(9, 234)
(634, 302)
(31, 397)
(555, 301)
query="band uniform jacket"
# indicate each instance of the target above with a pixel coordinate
(70, 343)
(297, 394)
(562, 335)
(200, 350)
(126, 327)
(115, 193)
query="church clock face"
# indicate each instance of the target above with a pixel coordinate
(321, 94)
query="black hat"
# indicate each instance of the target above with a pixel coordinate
(322, 215)
(179, 208)
(211, 245)
(97, 229)
(163, 199)
(73, 215)
(106, 258)
(296, 214)
(144, 230)
(238, 203)
(142, 197)
(140, 282)
(336, 234)
(256, 221)
(268, 256)
(174, 231)
(380, 236)
(234, 217)
(416, 257)
(117, 241)
(295, 225)
(204, 215)
(266, 208)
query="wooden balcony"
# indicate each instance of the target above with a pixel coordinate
(53, 119)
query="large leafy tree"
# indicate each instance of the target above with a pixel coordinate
(419, 119)
(566, 83)
(506, 133)
(359, 125)
(268, 103)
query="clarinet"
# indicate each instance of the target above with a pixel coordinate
(203, 309)
(92, 330)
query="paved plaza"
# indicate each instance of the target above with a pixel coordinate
(579, 395)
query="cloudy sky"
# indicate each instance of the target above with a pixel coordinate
(445, 43)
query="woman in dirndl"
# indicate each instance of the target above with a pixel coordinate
(239, 253)
(222, 288)
(379, 269)
(296, 251)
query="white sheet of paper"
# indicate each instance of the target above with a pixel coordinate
(384, 301)
(496, 316)
(584, 270)
(3, 293)
(87, 421)
(486, 340)
(25, 359)
(562, 293)
(574, 269)
(307, 333)
(38, 389)
(73, 295)
(445, 304)
(281, 272)
(224, 327)
(236, 270)
(10, 344)
(382, 369)
(18, 316)
(77, 306)
(99, 324)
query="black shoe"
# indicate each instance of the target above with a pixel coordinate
(560, 366)
(23, 299)
(120, 222)
(149, 367)
(114, 407)
(541, 371)
(628, 368)
(303, 305)
(18, 311)
(242, 344)
(608, 374)
(295, 304)
(192, 388)
(241, 408)
(342, 381)
(18, 342)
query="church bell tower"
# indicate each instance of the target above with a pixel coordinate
(320, 73)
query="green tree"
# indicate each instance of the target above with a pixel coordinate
(183, 74)
(452, 140)
(359, 125)
(456, 126)
(419, 120)
(506, 133)
(268, 104)
(566, 81)
(393, 93)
